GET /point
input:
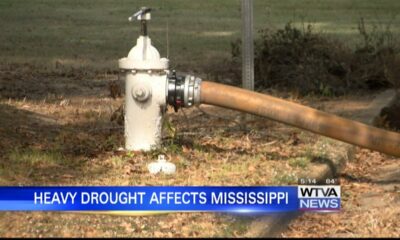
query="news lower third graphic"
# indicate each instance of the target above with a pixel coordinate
(251, 199)
(319, 198)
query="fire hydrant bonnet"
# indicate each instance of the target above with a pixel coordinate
(143, 56)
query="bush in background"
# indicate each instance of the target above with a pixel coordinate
(374, 60)
(310, 63)
(301, 60)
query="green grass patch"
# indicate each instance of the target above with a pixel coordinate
(95, 33)
(35, 157)
(301, 162)
(285, 178)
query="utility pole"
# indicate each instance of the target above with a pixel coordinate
(247, 50)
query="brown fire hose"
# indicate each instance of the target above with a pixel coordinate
(301, 116)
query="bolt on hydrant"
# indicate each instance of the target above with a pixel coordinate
(150, 86)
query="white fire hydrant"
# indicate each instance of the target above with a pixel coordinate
(149, 88)
(145, 92)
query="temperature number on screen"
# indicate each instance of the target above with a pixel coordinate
(332, 181)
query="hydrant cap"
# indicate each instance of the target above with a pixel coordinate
(143, 56)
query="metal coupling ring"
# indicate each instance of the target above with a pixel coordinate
(183, 91)
(192, 91)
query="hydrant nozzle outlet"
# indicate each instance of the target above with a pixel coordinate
(183, 91)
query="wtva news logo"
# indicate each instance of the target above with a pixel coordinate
(324, 198)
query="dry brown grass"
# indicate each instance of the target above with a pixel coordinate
(370, 208)
(68, 139)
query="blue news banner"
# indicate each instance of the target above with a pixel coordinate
(172, 199)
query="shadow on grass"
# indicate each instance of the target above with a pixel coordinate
(26, 81)
(37, 150)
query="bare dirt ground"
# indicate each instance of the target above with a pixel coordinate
(56, 130)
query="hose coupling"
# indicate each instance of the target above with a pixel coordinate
(183, 91)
